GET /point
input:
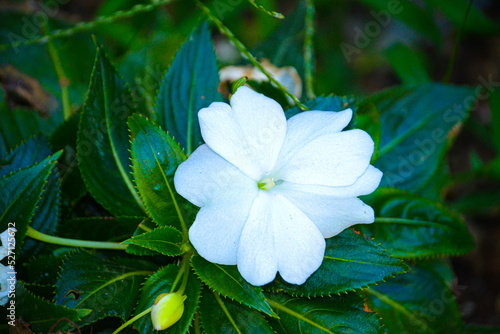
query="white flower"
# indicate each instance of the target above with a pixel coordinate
(5, 275)
(270, 190)
(4, 238)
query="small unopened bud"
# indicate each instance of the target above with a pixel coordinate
(167, 310)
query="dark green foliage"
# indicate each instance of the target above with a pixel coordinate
(103, 142)
(42, 314)
(221, 315)
(339, 314)
(190, 84)
(107, 287)
(413, 227)
(155, 157)
(113, 182)
(21, 192)
(46, 215)
(417, 302)
(227, 281)
(415, 123)
(351, 262)
(409, 13)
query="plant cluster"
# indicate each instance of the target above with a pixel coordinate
(102, 233)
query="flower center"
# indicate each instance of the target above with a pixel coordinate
(266, 184)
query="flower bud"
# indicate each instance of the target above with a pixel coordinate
(167, 310)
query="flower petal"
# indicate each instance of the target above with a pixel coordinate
(205, 176)
(330, 214)
(225, 193)
(257, 260)
(249, 134)
(5, 276)
(307, 126)
(278, 237)
(336, 159)
(216, 231)
(364, 185)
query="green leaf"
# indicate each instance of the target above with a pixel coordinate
(408, 12)
(435, 187)
(165, 240)
(227, 281)
(410, 226)
(407, 64)
(161, 282)
(103, 142)
(351, 262)
(46, 214)
(220, 315)
(145, 226)
(284, 46)
(415, 127)
(24, 155)
(20, 194)
(155, 158)
(416, 302)
(43, 270)
(18, 125)
(107, 287)
(40, 314)
(368, 119)
(45, 291)
(455, 10)
(329, 315)
(190, 84)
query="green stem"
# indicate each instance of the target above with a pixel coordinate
(144, 227)
(131, 321)
(183, 272)
(61, 76)
(183, 286)
(309, 50)
(268, 12)
(226, 312)
(197, 327)
(451, 63)
(85, 26)
(296, 315)
(243, 50)
(34, 234)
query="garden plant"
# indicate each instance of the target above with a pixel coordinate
(222, 167)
